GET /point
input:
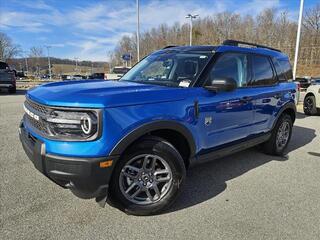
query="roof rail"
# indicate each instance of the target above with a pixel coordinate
(230, 42)
(170, 46)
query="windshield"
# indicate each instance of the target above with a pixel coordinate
(169, 68)
(3, 65)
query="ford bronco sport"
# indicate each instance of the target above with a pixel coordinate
(133, 140)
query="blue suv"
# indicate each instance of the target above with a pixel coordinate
(133, 140)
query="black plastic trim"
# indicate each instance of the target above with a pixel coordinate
(289, 105)
(149, 127)
(83, 176)
(229, 149)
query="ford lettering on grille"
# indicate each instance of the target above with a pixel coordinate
(31, 114)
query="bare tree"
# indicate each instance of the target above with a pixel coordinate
(8, 49)
(36, 59)
(270, 27)
(311, 19)
(36, 52)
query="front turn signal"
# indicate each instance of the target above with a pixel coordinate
(106, 164)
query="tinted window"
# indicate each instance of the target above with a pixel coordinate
(287, 69)
(231, 65)
(3, 65)
(280, 71)
(262, 71)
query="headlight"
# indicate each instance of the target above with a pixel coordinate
(75, 125)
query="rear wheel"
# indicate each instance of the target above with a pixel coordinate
(280, 136)
(148, 177)
(309, 105)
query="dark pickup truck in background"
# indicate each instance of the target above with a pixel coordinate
(7, 78)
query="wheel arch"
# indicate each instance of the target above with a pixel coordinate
(309, 94)
(290, 109)
(159, 128)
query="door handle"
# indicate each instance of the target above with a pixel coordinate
(246, 99)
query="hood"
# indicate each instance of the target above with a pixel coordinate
(101, 93)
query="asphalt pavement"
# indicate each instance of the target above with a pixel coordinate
(249, 195)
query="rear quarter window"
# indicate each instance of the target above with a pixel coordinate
(283, 69)
(286, 69)
(262, 71)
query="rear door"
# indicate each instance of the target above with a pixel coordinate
(267, 93)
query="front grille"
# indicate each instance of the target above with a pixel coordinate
(39, 125)
(36, 106)
(42, 111)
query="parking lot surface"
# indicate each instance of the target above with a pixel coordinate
(249, 195)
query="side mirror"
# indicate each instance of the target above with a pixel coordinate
(222, 84)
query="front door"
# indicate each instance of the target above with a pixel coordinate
(227, 116)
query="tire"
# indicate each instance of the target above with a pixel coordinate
(309, 105)
(136, 169)
(12, 90)
(277, 147)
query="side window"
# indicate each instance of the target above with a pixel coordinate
(286, 66)
(262, 71)
(279, 70)
(284, 69)
(231, 65)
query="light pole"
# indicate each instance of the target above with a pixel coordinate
(138, 30)
(25, 55)
(48, 47)
(191, 19)
(298, 41)
(76, 69)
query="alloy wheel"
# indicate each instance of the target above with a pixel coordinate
(145, 179)
(283, 135)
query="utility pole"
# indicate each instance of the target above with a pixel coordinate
(138, 30)
(298, 41)
(26, 59)
(191, 19)
(50, 76)
(76, 69)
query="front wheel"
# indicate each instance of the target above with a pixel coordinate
(147, 179)
(280, 136)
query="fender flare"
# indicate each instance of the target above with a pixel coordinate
(142, 130)
(289, 105)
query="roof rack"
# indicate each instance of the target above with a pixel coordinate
(230, 42)
(170, 46)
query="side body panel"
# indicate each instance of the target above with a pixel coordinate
(315, 90)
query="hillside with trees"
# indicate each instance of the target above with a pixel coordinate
(272, 28)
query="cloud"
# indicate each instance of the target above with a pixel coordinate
(24, 21)
(254, 7)
(91, 29)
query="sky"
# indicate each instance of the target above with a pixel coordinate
(89, 29)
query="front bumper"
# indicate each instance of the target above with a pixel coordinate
(83, 176)
(7, 85)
